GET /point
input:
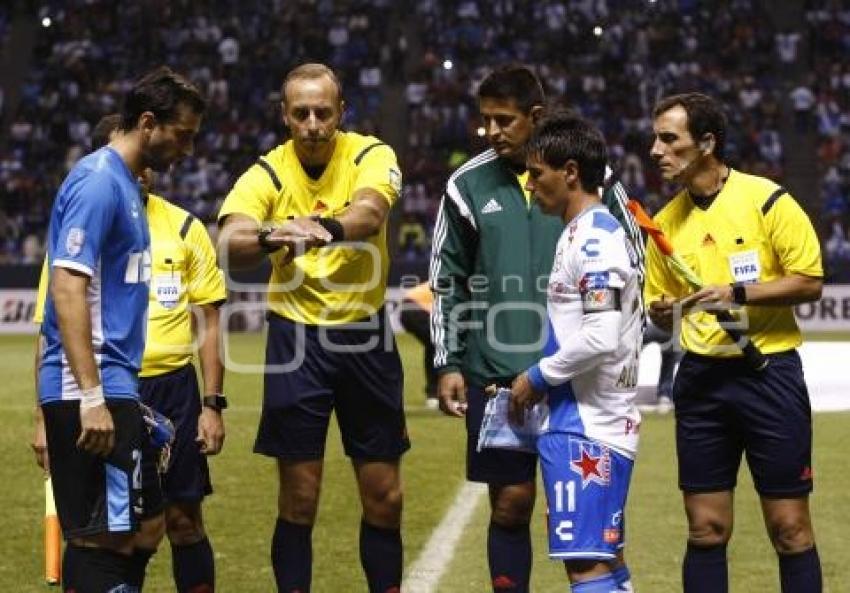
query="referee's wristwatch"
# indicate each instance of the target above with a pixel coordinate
(263, 240)
(739, 293)
(217, 402)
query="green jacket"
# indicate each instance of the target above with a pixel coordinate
(490, 264)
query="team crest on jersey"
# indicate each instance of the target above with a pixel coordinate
(596, 293)
(591, 461)
(74, 241)
(593, 280)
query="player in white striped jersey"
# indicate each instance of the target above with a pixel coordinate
(589, 367)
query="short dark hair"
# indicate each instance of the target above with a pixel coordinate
(513, 82)
(705, 116)
(161, 92)
(103, 130)
(565, 136)
(310, 70)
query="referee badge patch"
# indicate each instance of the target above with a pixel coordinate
(745, 266)
(167, 288)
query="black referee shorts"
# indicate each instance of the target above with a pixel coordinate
(724, 409)
(313, 371)
(176, 396)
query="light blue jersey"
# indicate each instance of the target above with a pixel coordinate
(98, 228)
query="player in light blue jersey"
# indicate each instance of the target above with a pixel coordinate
(99, 232)
(589, 367)
(101, 459)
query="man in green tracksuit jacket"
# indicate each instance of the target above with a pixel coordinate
(492, 255)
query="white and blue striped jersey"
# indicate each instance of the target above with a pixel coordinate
(590, 362)
(98, 228)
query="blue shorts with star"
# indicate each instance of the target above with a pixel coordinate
(586, 486)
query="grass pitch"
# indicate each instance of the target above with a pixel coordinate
(240, 515)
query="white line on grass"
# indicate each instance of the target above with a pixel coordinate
(424, 575)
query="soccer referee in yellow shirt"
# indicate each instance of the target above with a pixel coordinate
(184, 273)
(758, 254)
(329, 344)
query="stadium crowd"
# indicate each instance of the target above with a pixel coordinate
(609, 59)
(829, 32)
(235, 51)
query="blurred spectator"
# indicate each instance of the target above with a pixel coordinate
(786, 46)
(32, 250)
(803, 100)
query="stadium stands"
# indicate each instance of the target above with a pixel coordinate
(236, 51)
(609, 59)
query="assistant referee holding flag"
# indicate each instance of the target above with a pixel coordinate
(758, 254)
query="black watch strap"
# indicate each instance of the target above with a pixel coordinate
(334, 227)
(262, 239)
(216, 402)
(739, 293)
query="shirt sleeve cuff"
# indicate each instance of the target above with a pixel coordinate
(73, 265)
(449, 368)
(535, 377)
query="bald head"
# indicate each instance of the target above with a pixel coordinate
(310, 71)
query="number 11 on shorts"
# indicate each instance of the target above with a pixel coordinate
(560, 489)
(564, 529)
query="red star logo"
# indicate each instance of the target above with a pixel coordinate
(589, 466)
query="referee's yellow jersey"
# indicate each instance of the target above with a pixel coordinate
(753, 231)
(334, 284)
(184, 272)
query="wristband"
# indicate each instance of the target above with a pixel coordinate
(92, 397)
(739, 294)
(334, 227)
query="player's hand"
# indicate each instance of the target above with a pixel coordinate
(523, 398)
(210, 431)
(451, 389)
(39, 441)
(661, 313)
(98, 432)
